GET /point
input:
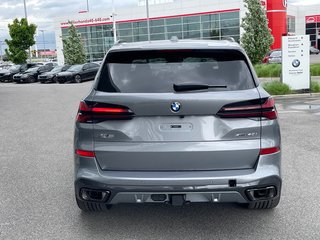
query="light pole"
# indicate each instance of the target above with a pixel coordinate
(25, 9)
(1, 57)
(44, 43)
(114, 23)
(87, 5)
(148, 19)
(26, 17)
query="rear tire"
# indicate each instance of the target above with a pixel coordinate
(265, 204)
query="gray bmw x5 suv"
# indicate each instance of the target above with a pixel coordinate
(177, 122)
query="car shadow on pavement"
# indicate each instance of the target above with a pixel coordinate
(194, 221)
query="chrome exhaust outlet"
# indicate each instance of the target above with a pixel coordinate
(94, 195)
(265, 193)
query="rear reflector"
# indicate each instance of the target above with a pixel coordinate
(84, 153)
(93, 112)
(254, 108)
(266, 151)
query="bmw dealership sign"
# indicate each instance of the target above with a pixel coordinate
(296, 61)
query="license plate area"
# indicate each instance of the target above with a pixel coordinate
(168, 127)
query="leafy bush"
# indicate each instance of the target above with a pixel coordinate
(315, 69)
(277, 88)
(274, 70)
(315, 86)
(268, 70)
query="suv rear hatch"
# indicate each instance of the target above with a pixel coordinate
(136, 125)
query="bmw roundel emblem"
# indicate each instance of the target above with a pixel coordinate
(296, 63)
(175, 106)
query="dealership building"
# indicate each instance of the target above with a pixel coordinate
(186, 19)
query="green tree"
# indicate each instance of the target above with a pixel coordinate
(22, 38)
(73, 49)
(257, 37)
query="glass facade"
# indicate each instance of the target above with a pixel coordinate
(98, 39)
(313, 29)
(291, 24)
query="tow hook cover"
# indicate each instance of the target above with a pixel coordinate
(178, 199)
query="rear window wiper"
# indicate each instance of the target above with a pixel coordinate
(194, 87)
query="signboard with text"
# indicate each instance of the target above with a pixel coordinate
(296, 61)
(313, 19)
(86, 22)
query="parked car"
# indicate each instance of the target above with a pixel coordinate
(79, 73)
(5, 66)
(31, 75)
(51, 77)
(51, 64)
(275, 55)
(177, 122)
(314, 50)
(7, 75)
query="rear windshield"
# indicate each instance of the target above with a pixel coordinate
(158, 71)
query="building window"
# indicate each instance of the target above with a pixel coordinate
(291, 24)
(98, 39)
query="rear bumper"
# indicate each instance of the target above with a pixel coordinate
(197, 186)
(21, 80)
(44, 80)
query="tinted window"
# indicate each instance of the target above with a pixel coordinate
(32, 69)
(43, 68)
(157, 71)
(86, 66)
(56, 69)
(75, 68)
(93, 65)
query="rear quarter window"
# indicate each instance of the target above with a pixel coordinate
(158, 70)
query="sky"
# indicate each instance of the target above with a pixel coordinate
(43, 12)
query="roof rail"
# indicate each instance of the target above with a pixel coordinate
(120, 41)
(174, 39)
(230, 39)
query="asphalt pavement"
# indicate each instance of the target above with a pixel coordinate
(36, 179)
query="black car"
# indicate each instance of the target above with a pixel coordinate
(6, 75)
(31, 75)
(79, 73)
(51, 77)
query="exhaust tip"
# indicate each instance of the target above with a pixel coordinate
(261, 193)
(94, 195)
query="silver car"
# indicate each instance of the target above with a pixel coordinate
(177, 122)
(275, 57)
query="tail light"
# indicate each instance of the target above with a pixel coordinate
(93, 112)
(254, 108)
(266, 151)
(84, 153)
